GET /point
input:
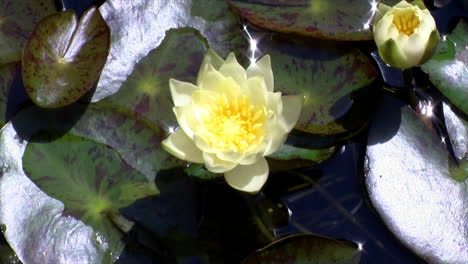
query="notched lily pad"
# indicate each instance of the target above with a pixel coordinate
(17, 20)
(63, 57)
(341, 20)
(306, 248)
(448, 68)
(337, 81)
(89, 178)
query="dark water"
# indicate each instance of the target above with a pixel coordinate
(329, 200)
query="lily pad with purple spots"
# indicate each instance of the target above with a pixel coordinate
(63, 57)
(306, 248)
(339, 20)
(337, 80)
(146, 90)
(448, 68)
(17, 20)
(141, 27)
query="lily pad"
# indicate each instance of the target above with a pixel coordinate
(7, 74)
(146, 90)
(17, 20)
(289, 152)
(135, 33)
(35, 225)
(306, 248)
(137, 141)
(336, 80)
(410, 185)
(457, 129)
(448, 68)
(341, 20)
(63, 57)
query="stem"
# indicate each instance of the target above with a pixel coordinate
(408, 83)
(258, 220)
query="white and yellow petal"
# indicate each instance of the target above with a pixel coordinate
(248, 178)
(216, 165)
(263, 69)
(182, 147)
(181, 92)
(292, 106)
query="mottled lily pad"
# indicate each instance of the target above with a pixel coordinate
(7, 74)
(63, 57)
(410, 185)
(448, 67)
(336, 80)
(306, 248)
(146, 90)
(89, 178)
(135, 33)
(17, 20)
(35, 226)
(341, 20)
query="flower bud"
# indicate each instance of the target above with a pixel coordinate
(405, 34)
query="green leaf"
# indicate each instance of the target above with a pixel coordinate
(7, 74)
(306, 248)
(141, 27)
(289, 152)
(448, 68)
(340, 19)
(63, 58)
(146, 90)
(89, 178)
(35, 225)
(17, 20)
(336, 80)
(199, 171)
(408, 177)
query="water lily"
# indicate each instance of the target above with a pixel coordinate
(231, 119)
(405, 34)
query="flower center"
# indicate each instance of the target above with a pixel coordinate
(406, 21)
(233, 124)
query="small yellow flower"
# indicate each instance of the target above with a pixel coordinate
(231, 119)
(405, 34)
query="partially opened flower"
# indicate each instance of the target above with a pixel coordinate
(231, 119)
(405, 34)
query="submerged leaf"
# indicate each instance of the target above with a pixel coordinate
(7, 74)
(63, 57)
(306, 248)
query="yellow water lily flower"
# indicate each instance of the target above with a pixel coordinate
(405, 34)
(231, 119)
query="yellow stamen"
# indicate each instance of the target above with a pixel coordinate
(406, 21)
(233, 124)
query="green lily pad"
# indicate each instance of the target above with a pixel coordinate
(17, 20)
(448, 68)
(35, 226)
(289, 152)
(146, 90)
(63, 58)
(336, 80)
(408, 177)
(89, 178)
(341, 20)
(135, 33)
(306, 248)
(7, 74)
